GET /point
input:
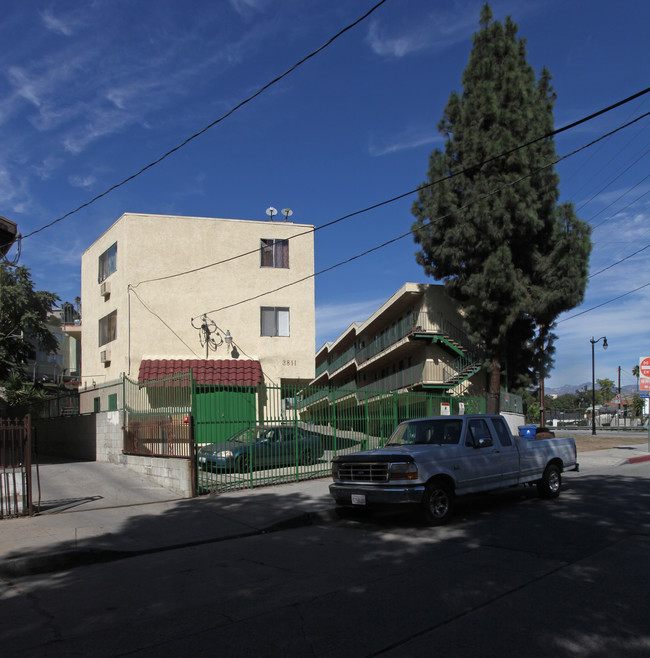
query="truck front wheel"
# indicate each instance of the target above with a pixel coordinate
(437, 503)
(551, 482)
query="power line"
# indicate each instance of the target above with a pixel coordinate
(609, 301)
(598, 150)
(633, 138)
(214, 123)
(401, 237)
(618, 262)
(618, 199)
(159, 318)
(613, 180)
(433, 183)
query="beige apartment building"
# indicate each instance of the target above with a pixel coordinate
(412, 342)
(150, 282)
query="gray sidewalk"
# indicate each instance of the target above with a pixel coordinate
(104, 527)
(90, 532)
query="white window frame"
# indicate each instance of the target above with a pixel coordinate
(275, 321)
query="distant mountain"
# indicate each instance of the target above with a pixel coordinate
(630, 389)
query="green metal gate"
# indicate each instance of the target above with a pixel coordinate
(220, 412)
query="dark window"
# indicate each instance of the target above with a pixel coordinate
(274, 253)
(274, 321)
(478, 430)
(107, 263)
(502, 431)
(108, 328)
(96, 405)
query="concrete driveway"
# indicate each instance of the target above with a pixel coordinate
(80, 485)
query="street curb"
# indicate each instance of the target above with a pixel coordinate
(31, 565)
(637, 460)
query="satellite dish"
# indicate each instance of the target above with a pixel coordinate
(271, 211)
(287, 212)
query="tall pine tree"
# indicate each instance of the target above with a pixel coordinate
(507, 251)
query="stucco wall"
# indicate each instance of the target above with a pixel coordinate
(150, 248)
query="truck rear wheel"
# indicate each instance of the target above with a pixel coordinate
(437, 503)
(551, 482)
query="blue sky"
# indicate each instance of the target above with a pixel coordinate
(92, 92)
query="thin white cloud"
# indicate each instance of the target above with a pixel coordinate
(82, 181)
(406, 140)
(333, 319)
(433, 32)
(66, 252)
(24, 86)
(14, 194)
(56, 24)
(627, 340)
(47, 167)
(246, 8)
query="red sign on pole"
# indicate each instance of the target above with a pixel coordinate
(644, 371)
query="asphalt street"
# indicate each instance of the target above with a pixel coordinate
(276, 572)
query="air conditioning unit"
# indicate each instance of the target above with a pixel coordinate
(105, 356)
(105, 289)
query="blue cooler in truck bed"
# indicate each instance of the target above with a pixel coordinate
(527, 431)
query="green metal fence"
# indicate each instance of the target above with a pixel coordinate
(297, 431)
(254, 436)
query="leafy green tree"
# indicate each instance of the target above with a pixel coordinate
(638, 404)
(491, 227)
(23, 319)
(566, 402)
(533, 413)
(21, 397)
(605, 391)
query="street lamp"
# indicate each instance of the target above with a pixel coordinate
(593, 381)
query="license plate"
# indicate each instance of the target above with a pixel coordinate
(358, 499)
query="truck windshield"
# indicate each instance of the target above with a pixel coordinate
(439, 431)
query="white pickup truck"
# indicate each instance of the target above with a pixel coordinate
(430, 461)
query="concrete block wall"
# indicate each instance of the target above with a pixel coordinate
(169, 472)
(110, 436)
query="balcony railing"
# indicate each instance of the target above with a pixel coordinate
(347, 356)
(418, 324)
(424, 373)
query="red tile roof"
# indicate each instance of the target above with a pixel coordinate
(220, 372)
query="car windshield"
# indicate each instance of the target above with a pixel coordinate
(253, 434)
(438, 431)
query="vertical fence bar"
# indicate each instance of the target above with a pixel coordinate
(27, 429)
